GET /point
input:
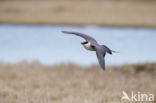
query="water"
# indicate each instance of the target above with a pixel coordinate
(48, 45)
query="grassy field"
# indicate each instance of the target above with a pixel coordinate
(35, 83)
(135, 13)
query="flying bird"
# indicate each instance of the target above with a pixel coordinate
(92, 45)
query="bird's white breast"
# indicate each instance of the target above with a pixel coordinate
(88, 46)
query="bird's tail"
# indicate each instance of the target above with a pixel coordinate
(109, 50)
(114, 51)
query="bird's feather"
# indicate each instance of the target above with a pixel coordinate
(100, 55)
(107, 49)
(86, 37)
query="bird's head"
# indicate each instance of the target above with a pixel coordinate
(83, 43)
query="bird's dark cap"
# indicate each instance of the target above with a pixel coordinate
(85, 42)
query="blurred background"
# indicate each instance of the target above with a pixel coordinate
(47, 45)
(30, 30)
(39, 64)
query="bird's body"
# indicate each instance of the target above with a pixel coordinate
(92, 45)
(88, 46)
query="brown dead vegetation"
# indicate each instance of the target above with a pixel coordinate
(69, 83)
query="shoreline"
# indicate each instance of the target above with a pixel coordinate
(80, 25)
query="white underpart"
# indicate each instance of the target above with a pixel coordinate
(88, 46)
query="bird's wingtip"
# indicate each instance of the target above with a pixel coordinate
(103, 68)
(67, 32)
(63, 31)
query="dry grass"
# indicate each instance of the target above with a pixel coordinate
(35, 83)
(80, 12)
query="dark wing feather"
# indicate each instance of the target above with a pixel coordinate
(86, 37)
(107, 49)
(100, 56)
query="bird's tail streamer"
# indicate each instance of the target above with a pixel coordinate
(114, 51)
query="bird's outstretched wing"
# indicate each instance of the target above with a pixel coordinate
(100, 55)
(86, 37)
